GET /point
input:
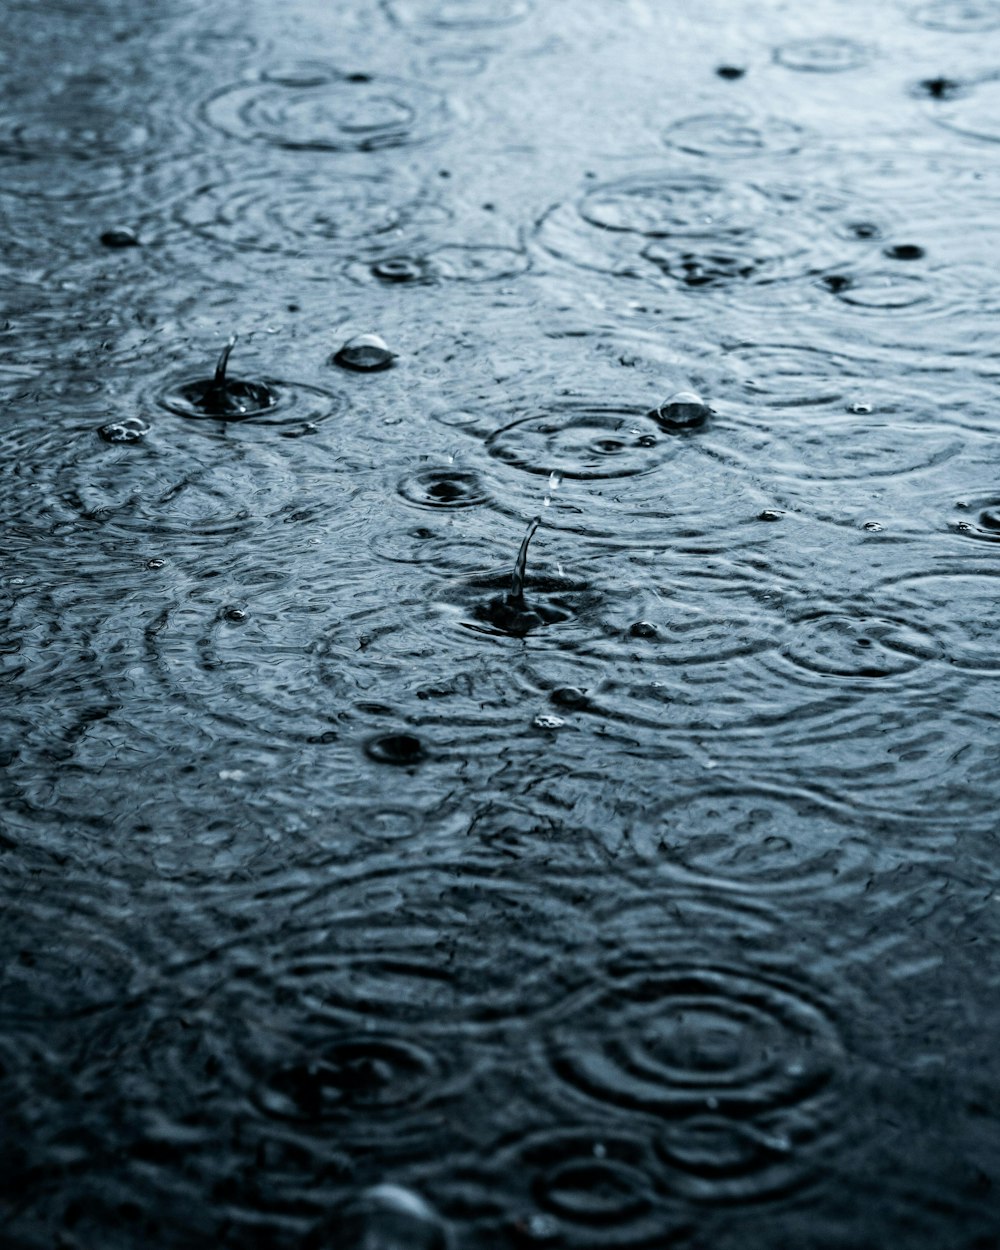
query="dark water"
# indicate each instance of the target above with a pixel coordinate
(648, 899)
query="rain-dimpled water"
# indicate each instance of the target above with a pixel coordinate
(498, 597)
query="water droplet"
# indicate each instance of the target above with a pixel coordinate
(129, 430)
(873, 527)
(643, 629)
(155, 563)
(682, 411)
(221, 397)
(365, 353)
(235, 616)
(545, 720)
(904, 251)
(860, 408)
(120, 236)
(402, 749)
(770, 514)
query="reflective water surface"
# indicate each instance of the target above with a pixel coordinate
(371, 877)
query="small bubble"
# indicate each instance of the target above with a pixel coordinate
(864, 230)
(643, 629)
(836, 283)
(155, 563)
(904, 251)
(873, 527)
(236, 616)
(684, 410)
(400, 749)
(770, 514)
(120, 236)
(130, 430)
(365, 353)
(545, 720)
(730, 72)
(860, 409)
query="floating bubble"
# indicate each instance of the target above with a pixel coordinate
(384, 1217)
(904, 251)
(365, 353)
(120, 236)
(682, 411)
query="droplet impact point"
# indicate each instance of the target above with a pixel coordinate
(129, 430)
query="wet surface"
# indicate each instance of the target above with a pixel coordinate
(378, 867)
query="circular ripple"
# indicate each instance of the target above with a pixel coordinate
(417, 948)
(725, 136)
(973, 111)
(829, 55)
(795, 375)
(444, 487)
(302, 215)
(842, 448)
(680, 1041)
(746, 838)
(703, 232)
(367, 1074)
(959, 607)
(587, 1187)
(958, 16)
(458, 14)
(880, 291)
(451, 263)
(584, 444)
(859, 649)
(320, 109)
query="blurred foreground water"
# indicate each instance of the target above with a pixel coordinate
(355, 892)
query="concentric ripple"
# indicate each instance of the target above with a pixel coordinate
(305, 214)
(832, 54)
(583, 443)
(458, 14)
(974, 111)
(959, 606)
(749, 838)
(587, 1186)
(318, 108)
(684, 1040)
(960, 17)
(414, 948)
(729, 136)
(703, 232)
(269, 401)
(454, 262)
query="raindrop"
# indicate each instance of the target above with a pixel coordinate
(683, 411)
(365, 353)
(511, 613)
(222, 397)
(120, 236)
(130, 430)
